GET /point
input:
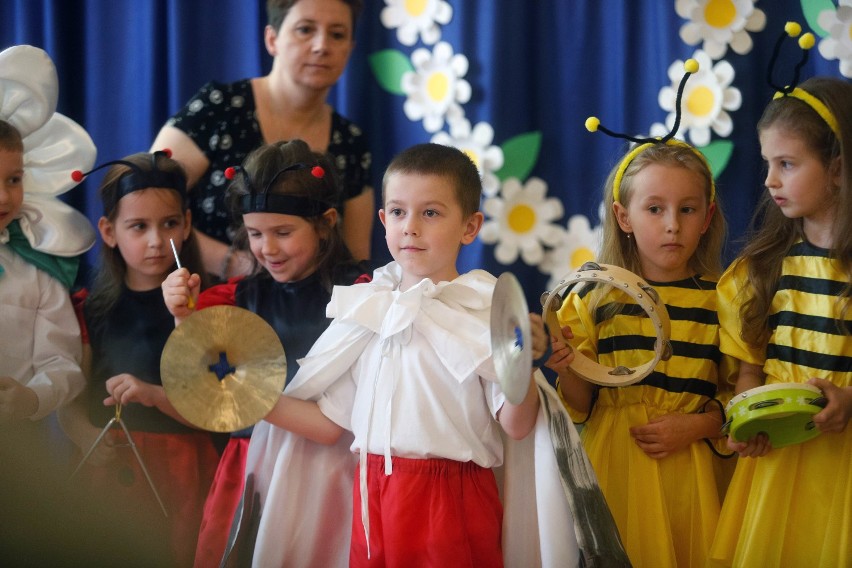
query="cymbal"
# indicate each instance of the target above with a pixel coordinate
(511, 340)
(223, 368)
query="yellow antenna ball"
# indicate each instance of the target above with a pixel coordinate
(690, 66)
(793, 29)
(807, 41)
(592, 123)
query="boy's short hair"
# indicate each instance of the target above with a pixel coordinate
(10, 138)
(443, 161)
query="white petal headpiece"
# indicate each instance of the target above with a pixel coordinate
(54, 146)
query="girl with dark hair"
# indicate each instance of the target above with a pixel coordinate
(284, 195)
(784, 307)
(125, 326)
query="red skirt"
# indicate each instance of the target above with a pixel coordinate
(428, 512)
(222, 502)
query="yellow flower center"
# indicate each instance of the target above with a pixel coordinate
(474, 157)
(720, 13)
(580, 256)
(700, 101)
(521, 218)
(437, 86)
(415, 7)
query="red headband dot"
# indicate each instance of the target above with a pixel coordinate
(318, 172)
(167, 152)
(230, 172)
(77, 176)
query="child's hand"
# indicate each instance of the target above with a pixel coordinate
(540, 339)
(126, 388)
(836, 414)
(664, 435)
(563, 354)
(17, 402)
(179, 288)
(754, 448)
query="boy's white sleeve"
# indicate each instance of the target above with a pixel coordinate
(57, 349)
(40, 344)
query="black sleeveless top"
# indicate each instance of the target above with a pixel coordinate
(130, 340)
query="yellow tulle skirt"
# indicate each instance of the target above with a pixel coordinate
(791, 507)
(666, 509)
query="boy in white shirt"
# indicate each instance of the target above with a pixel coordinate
(406, 366)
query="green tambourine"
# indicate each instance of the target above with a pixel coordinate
(783, 411)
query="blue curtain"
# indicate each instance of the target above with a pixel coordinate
(535, 68)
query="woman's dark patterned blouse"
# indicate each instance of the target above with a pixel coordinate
(220, 118)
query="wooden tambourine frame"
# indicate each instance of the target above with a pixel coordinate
(636, 288)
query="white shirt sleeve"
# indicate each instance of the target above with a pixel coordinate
(39, 335)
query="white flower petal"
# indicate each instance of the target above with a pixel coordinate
(699, 135)
(732, 99)
(741, 42)
(407, 35)
(430, 35)
(690, 33)
(723, 125)
(29, 88)
(52, 152)
(506, 252)
(756, 21)
(443, 13)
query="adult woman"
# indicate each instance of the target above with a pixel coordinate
(310, 42)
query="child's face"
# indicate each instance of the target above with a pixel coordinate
(424, 226)
(144, 223)
(11, 186)
(667, 214)
(285, 245)
(797, 179)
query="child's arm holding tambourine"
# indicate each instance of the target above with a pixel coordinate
(750, 376)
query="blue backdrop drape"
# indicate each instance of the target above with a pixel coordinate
(543, 66)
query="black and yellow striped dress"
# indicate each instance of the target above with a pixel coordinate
(666, 509)
(792, 507)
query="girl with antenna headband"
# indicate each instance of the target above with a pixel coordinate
(785, 306)
(646, 441)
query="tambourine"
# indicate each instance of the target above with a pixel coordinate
(783, 411)
(644, 295)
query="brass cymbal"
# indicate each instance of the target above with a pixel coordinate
(223, 368)
(511, 340)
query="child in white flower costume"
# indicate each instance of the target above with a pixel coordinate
(40, 239)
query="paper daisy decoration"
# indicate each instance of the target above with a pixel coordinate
(416, 17)
(720, 23)
(706, 99)
(520, 221)
(476, 143)
(54, 146)
(838, 43)
(436, 87)
(580, 244)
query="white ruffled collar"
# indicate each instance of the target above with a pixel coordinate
(453, 316)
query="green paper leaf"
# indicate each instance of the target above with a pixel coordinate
(812, 8)
(718, 153)
(388, 66)
(519, 156)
